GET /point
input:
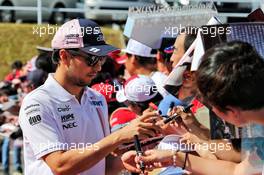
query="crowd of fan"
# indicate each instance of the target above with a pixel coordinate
(118, 81)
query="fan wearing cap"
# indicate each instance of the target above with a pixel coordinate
(163, 57)
(140, 60)
(235, 62)
(40, 66)
(183, 41)
(181, 84)
(138, 92)
(64, 122)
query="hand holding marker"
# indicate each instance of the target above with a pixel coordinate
(178, 118)
(173, 117)
(139, 152)
(166, 120)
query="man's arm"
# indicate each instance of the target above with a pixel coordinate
(218, 167)
(225, 150)
(75, 161)
(198, 165)
(113, 165)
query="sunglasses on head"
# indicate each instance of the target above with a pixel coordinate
(89, 59)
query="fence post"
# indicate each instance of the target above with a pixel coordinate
(39, 12)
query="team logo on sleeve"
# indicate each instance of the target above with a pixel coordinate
(32, 109)
(31, 106)
(96, 103)
(34, 120)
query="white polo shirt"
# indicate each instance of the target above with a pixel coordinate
(52, 119)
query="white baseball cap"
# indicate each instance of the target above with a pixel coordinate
(138, 88)
(136, 48)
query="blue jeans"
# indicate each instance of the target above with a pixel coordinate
(5, 155)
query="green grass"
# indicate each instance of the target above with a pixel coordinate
(19, 41)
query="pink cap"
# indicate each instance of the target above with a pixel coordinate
(83, 34)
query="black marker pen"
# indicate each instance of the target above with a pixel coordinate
(139, 152)
(175, 116)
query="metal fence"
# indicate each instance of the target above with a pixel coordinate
(39, 9)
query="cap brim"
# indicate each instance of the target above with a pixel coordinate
(44, 49)
(120, 96)
(121, 60)
(100, 50)
(138, 54)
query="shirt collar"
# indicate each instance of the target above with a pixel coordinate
(57, 91)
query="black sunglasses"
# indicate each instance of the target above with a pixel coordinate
(89, 59)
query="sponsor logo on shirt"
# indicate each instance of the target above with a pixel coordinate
(69, 125)
(96, 103)
(30, 106)
(67, 118)
(34, 120)
(64, 109)
(33, 111)
(93, 98)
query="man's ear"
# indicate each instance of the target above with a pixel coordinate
(235, 111)
(159, 57)
(231, 114)
(135, 108)
(64, 57)
(133, 60)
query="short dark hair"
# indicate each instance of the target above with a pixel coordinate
(191, 33)
(144, 61)
(56, 56)
(232, 74)
(45, 63)
(17, 64)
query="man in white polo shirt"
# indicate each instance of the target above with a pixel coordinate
(65, 123)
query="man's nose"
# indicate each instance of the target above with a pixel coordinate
(98, 66)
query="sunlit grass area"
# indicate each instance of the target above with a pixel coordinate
(19, 41)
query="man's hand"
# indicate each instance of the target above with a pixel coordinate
(129, 161)
(143, 126)
(151, 158)
(156, 159)
(171, 128)
(191, 138)
(187, 117)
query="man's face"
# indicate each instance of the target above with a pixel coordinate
(232, 115)
(79, 73)
(129, 65)
(3, 98)
(178, 49)
(188, 79)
